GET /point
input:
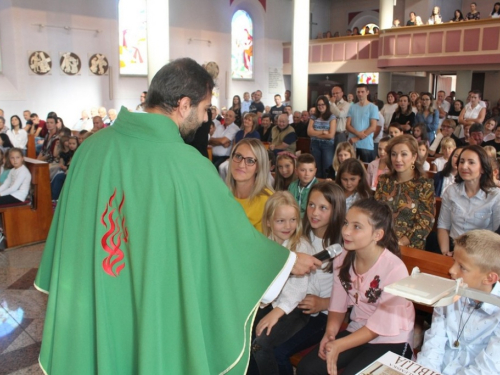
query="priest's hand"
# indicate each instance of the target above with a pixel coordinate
(304, 264)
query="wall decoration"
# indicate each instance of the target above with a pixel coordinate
(241, 46)
(213, 69)
(70, 63)
(98, 64)
(132, 30)
(40, 62)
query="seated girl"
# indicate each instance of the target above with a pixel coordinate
(447, 146)
(423, 152)
(352, 179)
(285, 171)
(16, 187)
(277, 322)
(446, 177)
(378, 166)
(343, 152)
(379, 322)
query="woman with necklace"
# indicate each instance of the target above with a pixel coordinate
(408, 192)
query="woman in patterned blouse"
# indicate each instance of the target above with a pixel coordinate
(408, 192)
(474, 13)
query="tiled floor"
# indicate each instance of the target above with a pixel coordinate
(22, 311)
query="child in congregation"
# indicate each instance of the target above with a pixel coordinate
(353, 180)
(394, 130)
(6, 165)
(322, 225)
(491, 151)
(285, 171)
(423, 153)
(379, 322)
(68, 148)
(280, 320)
(343, 152)
(56, 184)
(464, 336)
(378, 166)
(16, 187)
(495, 167)
(306, 178)
(420, 133)
(447, 146)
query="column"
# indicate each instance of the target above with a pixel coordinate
(157, 13)
(384, 85)
(386, 13)
(300, 54)
(464, 83)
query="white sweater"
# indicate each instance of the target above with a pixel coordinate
(17, 183)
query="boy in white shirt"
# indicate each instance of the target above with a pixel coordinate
(464, 337)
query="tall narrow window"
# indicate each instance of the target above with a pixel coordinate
(241, 46)
(132, 33)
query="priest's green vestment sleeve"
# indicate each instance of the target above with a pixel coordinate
(151, 265)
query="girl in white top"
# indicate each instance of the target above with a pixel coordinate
(435, 17)
(17, 136)
(277, 322)
(16, 187)
(325, 214)
(389, 108)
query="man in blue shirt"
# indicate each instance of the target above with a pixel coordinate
(361, 123)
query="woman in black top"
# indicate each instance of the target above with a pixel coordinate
(404, 114)
(236, 108)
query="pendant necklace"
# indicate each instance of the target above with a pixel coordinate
(456, 344)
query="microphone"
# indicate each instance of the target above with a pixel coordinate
(329, 253)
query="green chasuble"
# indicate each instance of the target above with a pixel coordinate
(151, 265)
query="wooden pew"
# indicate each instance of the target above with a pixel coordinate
(427, 262)
(31, 147)
(30, 223)
(304, 145)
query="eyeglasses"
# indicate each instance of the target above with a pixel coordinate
(321, 105)
(237, 158)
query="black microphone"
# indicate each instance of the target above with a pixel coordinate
(329, 253)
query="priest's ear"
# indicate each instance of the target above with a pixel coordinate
(184, 107)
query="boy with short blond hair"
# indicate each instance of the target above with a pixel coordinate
(306, 178)
(464, 337)
(447, 146)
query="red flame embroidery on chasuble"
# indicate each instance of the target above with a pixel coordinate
(116, 232)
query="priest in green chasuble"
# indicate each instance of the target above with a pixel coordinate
(151, 265)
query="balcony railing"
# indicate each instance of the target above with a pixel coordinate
(459, 46)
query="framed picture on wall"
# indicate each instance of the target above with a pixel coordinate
(98, 64)
(70, 63)
(39, 62)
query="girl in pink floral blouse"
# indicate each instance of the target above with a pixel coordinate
(379, 322)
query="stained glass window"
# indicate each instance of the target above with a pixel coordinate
(132, 34)
(241, 46)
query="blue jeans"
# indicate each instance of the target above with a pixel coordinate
(308, 336)
(56, 185)
(323, 154)
(366, 156)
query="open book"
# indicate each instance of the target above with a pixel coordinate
(393, 364)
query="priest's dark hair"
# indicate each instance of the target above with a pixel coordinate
(179, 79)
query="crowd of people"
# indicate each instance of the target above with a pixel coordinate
(363, 185)
(55, 143)
(367, 168)
(435, 18)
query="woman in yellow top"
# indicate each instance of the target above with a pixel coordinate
(248, 178)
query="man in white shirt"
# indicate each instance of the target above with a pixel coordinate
(442, 105)
(222, 139)
(339, 107)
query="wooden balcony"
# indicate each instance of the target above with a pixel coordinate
(472, 45)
